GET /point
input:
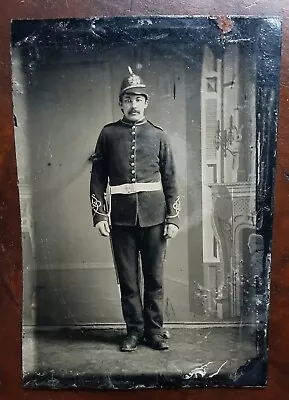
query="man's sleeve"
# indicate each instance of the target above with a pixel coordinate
(169, 181)
(98, 181)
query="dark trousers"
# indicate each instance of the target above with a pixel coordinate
(130, 244)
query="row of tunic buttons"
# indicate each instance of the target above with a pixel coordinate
(133, 155)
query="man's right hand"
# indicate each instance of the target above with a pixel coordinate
(103, 228)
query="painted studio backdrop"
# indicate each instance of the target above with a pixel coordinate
(65, 88)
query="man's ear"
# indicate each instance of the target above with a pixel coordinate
(146, 103)
(120, 105)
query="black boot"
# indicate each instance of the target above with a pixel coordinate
(130, 342)
(157, 341)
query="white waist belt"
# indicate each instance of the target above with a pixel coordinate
(130, 188)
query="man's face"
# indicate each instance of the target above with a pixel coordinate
(133, 106)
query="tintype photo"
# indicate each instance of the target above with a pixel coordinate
(145, 158)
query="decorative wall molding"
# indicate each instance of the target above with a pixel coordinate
(93, 266)
(73, 266)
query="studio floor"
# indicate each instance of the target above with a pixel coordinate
(91, 357)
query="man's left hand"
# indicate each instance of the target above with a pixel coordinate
(170, 231)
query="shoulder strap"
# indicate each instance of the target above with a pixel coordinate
(156, 126)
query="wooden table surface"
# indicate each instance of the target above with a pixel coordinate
(10, 245)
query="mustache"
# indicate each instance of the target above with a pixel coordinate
(133, 111)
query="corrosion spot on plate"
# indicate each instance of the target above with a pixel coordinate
(225, 24)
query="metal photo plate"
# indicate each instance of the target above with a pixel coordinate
(139, 125)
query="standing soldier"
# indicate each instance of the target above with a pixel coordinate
(134, 156)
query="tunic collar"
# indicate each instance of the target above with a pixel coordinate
(131, 123)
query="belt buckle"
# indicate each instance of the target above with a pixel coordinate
(130, 188)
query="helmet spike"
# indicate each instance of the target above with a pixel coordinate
(130, 70)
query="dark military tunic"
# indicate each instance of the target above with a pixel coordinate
(128, 152)
(136, 153)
